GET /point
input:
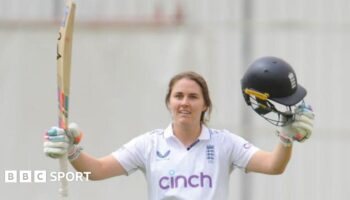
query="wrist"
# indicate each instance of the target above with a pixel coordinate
(284, 140)
(74, 152)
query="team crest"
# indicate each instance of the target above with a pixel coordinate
(210, 153)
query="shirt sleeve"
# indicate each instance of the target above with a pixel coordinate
(241, 150)
(132, 154)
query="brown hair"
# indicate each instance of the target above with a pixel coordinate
(203, 85)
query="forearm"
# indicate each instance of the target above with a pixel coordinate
(58, 143)
(100, 168)
(273, 162)
(280, 158)
(87, 163)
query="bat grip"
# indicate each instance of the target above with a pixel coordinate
(63, 162)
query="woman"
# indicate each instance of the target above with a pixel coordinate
(187, 160)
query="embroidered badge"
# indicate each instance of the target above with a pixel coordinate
(210, 153)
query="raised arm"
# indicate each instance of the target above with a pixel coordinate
(57, 143)
(276, 161)
(100, 168)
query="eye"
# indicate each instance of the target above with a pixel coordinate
(178, 95)
(193, 96)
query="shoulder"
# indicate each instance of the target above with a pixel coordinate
(225, 136)
(153, 134)
(150, 135)
(144, 140)
(223, 133)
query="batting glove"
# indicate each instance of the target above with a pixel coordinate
(301, 128)
(58, 142)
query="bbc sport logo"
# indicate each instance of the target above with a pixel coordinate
(42, 176)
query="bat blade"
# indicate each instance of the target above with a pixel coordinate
(64, 55)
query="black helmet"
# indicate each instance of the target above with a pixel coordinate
(271, 78)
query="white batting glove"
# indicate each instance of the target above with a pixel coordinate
(301, 128)
(58, 142)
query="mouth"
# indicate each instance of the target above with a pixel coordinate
(184, 112)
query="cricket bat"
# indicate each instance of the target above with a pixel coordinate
(64, 55)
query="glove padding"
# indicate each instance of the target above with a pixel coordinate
(58, 142)
(301, 128)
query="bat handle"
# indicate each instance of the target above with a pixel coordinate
(63, 190)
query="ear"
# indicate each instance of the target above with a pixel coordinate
(205, 108)
(167, 105)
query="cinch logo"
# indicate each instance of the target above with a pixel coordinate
(193, 181)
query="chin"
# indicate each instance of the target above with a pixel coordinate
(185, 122)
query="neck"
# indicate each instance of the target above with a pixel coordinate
(187, 134)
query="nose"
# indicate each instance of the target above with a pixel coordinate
(184, 101)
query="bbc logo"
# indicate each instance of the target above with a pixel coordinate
(41, 176)
(25, 176)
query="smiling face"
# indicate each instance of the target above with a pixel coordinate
(191, 83)
(186, 102)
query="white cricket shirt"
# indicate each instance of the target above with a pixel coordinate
(173, 171)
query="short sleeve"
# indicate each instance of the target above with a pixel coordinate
(132, 154)
(241, 150)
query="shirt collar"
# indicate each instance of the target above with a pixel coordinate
(205, 133)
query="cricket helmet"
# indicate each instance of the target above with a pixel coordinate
(270, 86)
